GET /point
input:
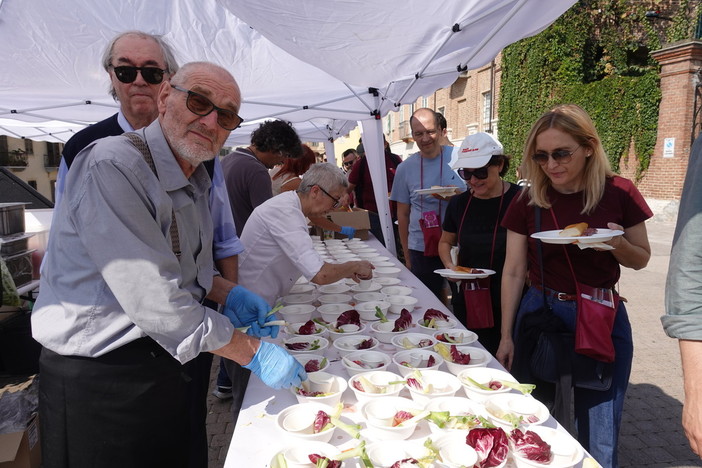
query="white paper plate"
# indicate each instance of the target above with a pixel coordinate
(448, 273)
(437, 190)
(552, 237)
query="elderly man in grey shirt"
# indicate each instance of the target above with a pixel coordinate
(128, 263)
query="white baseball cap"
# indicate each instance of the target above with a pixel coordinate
(477, 150)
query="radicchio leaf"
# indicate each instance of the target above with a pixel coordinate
(309, 328)
(349, 317)
(435, 314)
(415, 383)
(298, 346)
(302, 392)
(366, 344)
(320, 422)
(494, 385)
(530, 446)
(404, 322)
(431, 361)
(424, 343)
(459, 357)
(400, 417)
(312, 365)
(317, 459)
(491, 445)
(407, 462)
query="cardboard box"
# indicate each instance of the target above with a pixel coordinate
(21, 449)
(357, 219)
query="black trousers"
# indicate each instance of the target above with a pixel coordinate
(126, 408)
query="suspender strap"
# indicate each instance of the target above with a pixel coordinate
(146, 153)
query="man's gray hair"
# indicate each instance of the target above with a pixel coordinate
(326, 175)
(166, 51)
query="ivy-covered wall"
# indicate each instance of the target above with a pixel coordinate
(597, 55)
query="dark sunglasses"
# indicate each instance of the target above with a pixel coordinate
(127, 74)
(200, 105)
(560, 156)
(480, 173)
(337, 201)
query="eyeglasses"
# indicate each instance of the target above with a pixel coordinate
(127, 74)
(560, 156)
(480, 173)
(200, 105)
(337, 201)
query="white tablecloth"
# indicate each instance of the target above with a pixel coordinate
(256, 439)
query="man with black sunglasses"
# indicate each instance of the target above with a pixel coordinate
(137, 64)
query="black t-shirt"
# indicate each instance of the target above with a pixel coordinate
(476, 233)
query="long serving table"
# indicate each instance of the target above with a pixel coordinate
(256, 439)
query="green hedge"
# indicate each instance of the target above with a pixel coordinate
(597, 56)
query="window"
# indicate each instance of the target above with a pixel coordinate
(388, 122)
(53, 155)
(487, 108)
(28, 146)
(425, 101)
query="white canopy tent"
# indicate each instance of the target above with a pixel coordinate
(321, 64)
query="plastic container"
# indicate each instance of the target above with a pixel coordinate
(20, 267)
(14, 244)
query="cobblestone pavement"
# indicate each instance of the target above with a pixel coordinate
(651, 433)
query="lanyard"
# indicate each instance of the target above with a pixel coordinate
(421, 179)
(497, 222)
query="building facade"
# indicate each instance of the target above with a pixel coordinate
(35, 162)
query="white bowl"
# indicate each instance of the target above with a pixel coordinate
(366, 286)
(387, 281)
(334, 298)
(364, 361)
(321, 344)
(396, 290)
(566, 452)
(297, 455)
(304, 298)
(293, 329)
(379, 379)
(454, 451)
(336, 288)
(380, 418)
(436, 383)
(383, 264)
(296, 313)
(459, 336)
(478, 358)
(334, 391)
(383, 331)
(296, 422)
(383, 454)
(348, 344)
(440, 325)
(346, 330)
(412, 341)
(483, 376)
(505, 409)
(369, 296)
(367, 250)
(330, 312)
(305, 358)
(463, 414)
(386, 272)
(416, 359)
(367, 309)
(399, 303)
(302, 288)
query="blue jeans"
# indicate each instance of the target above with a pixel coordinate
(598, 414)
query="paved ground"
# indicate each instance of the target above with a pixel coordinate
(651, 434)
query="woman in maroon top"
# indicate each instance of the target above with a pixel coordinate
(571, 182)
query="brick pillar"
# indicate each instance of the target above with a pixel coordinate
(680, 64)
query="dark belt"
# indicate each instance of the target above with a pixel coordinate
(561, 296)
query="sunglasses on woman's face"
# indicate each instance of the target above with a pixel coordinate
(561, 156)
(480, 173)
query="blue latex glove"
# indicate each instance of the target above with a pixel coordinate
(348, 231)
(245, 308)
(275, 367)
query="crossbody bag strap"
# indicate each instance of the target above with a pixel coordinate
(540, 252)
(565, 251)
(146, 153)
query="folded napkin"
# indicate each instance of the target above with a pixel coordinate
(595, 245)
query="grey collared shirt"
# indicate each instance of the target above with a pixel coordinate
(110, 276)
